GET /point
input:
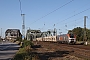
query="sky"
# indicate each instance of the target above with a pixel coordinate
(45, 15)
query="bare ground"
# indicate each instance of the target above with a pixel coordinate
(48, 52)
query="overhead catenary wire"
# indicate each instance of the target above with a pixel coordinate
(72, 12)
(56, 10)
(75, 10)
(73, 15)
(67, 14)
(53, 11)
(81, 20)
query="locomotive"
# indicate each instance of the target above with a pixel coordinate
(67, 38)
(64, 38)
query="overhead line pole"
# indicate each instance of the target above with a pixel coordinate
(23, 26)
(1, 32)
(85, 38)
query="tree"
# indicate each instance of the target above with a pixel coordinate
(78, 33)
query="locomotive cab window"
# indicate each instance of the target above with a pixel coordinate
(71, 36)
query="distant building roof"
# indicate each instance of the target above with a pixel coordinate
(12, 30)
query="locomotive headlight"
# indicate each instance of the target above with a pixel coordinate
(69, 40)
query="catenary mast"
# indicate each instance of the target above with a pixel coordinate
(23, 26)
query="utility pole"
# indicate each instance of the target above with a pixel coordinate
(23, 26)
(85, 38)
(1, 32)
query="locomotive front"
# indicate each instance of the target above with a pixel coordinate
(71, 38)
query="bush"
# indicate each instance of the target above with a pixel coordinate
(27, 43)
(24, 53)
(20, 54)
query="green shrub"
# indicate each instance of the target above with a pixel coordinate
(27, 43)
(20, 54)
(25, 53)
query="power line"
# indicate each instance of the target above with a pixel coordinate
(54, 11)
(77, 13)
(74, 11)
(76, 23)
(74, 15)
(80, 21)
(76, 20)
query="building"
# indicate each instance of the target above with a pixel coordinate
(32, 34)
(12, 34)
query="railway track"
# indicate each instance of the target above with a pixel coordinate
(80, 51)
